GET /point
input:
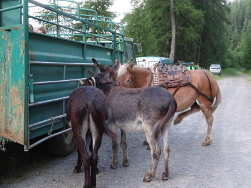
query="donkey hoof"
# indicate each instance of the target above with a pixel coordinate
(97, 172)
(145, 143)
(147, 179)
(206, 143)
(113, 166)
(165, 176)
(126, 164)
(177, 120)
(88, 186)
(77, 169)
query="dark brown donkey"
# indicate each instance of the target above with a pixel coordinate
(86, 112)
(129, 109)
(203, 93)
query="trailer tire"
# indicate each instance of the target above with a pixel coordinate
(61, 145)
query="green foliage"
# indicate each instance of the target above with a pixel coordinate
(190, 24)
(247, 54)
(241, 27)
(101, 8)
(214, 37)
(201, 30)
(229, 72)
(149, 24)
(248, 72)
(85, 11)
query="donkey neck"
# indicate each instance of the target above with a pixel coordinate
(142, 77)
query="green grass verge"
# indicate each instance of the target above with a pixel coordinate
(248, 72)
(225, 73)
(232, 72)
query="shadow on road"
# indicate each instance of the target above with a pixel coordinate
(15, 162)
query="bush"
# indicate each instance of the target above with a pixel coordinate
(229, 72)
(248, 72)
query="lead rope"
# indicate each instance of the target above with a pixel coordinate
(52, 123)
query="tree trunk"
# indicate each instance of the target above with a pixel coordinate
(173, 23)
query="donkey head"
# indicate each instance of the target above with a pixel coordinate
(125, 75)
(106, 77)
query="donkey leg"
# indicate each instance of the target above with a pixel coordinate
(94, 157)
(115, 147)
(123, 145)
(81, 147)
(155, 153)
(77, 168)
(166, 150)
(194, 108)
(209, 118)
(91, 149)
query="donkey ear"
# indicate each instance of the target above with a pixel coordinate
(116, 66)
(100, 68)
(91, 73)
(131, 64)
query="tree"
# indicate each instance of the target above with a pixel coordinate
(240, 38)
(104, 16)
(213, 43)
(173, 25)
(83, 11)
(190, 23)
(155, 18)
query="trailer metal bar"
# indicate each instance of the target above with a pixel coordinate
(28, 147)
(57, 63)
(57, 81)
(48, 101)
(52, 119)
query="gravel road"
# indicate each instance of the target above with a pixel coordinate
(225, 163)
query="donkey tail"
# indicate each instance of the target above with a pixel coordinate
(217, 101)
(100, 115)
(168, 117)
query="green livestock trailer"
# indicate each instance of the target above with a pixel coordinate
(38, 71)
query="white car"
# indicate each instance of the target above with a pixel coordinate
(149, 61)
(215, 69)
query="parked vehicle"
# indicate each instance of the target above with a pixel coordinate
(38, 71)
(151, 60)
(189, 65)
(215, 69)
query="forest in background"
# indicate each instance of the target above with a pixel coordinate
(215, 31)
(204, 32)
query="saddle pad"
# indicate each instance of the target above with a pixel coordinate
(171, 75)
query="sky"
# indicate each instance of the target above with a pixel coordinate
(121, 7)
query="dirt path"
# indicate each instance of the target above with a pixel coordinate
(225, 163)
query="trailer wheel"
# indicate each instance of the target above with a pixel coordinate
(61, 145)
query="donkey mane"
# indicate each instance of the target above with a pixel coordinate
(122, 70)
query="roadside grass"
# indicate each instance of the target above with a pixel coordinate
(232, 72)
(248, 72)
(225, 73)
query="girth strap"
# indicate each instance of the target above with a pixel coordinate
(210, 98)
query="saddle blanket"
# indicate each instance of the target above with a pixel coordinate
(170, 75)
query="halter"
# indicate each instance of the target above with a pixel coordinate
(88, 81)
